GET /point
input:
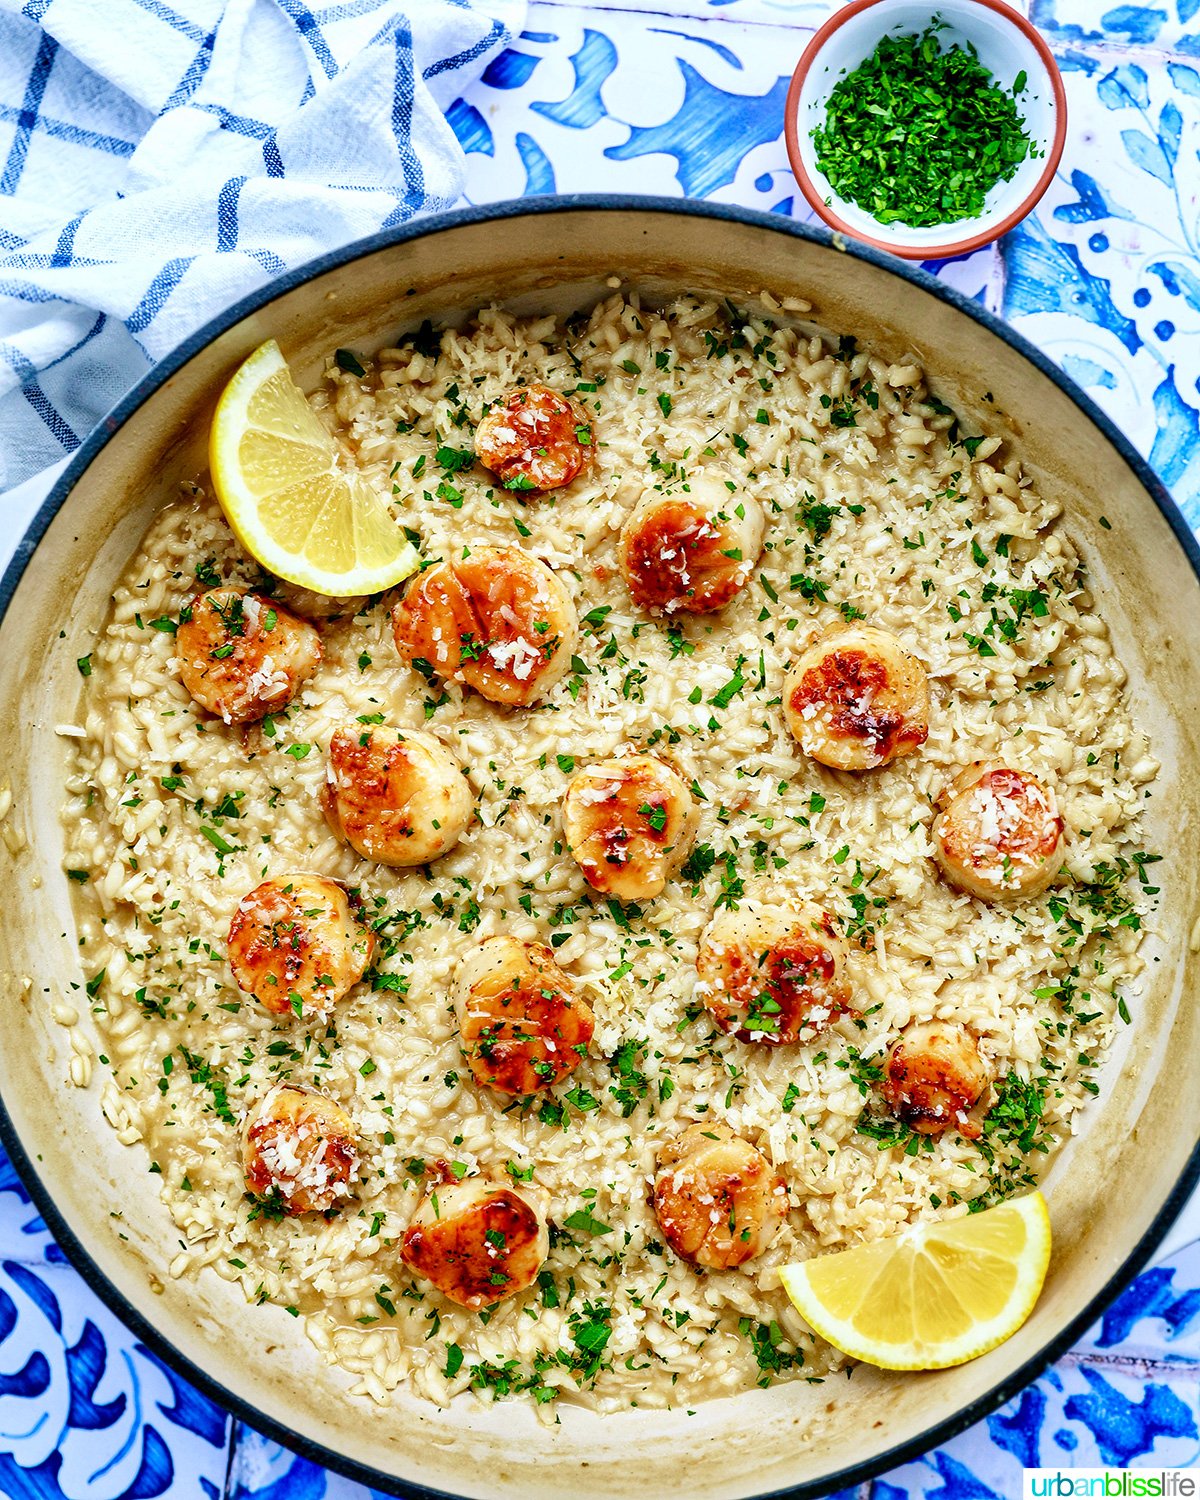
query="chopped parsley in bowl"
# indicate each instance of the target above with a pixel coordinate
(925, 131)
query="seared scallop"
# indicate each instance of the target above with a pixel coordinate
(498, 620)
(693, 550)
(933, 1078)
(998, 833)
(629, 824)
(534, 439)
(772, 974)
(855, 699)
(522, 1025)
(397, 797)
(242, 656)
(296, 945)
(717, 1199)
(478, 1241)
(299, 1148)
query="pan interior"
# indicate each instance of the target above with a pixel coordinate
(1105, 1189)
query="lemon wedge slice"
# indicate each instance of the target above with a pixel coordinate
(290, 503)
(937, 1295)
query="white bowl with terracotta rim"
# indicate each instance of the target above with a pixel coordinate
(1007, 45)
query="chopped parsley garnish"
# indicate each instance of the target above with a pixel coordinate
(427, 340)
(724, 696)
(586, 1222)
(770, 1352)
(632, 1083)
(270, 1206)
(698, 863)
(203, 1075)
(1016, 1117)
(818, 518)
(655, 815)
(591, 1331)
(218, 841)
(455, 460)
(887, 1132)
(919, 136)
(348, 363)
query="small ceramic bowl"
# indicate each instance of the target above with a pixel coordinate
(1007, 45)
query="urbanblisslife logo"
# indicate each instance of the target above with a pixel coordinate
(1110, 1484)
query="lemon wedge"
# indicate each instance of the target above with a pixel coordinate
(937, 1295)
(290, 503)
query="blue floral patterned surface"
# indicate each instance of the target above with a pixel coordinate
(686, 97)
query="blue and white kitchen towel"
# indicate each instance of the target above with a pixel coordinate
(160, 158)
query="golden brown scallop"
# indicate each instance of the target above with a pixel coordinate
(534, 439)
(242, 656)
(934, 1076)
(297, 946)
(998, 833)
(855, 699)
(397, 797)
(498, 620)
(717, 1199)
(772, 974)
(521, 1023)
(478, 1241)
(300, 1148)
(629, 823)
(692, 550)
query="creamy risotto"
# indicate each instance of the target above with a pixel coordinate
(937, 933)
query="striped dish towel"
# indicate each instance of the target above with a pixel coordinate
(160, 158)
